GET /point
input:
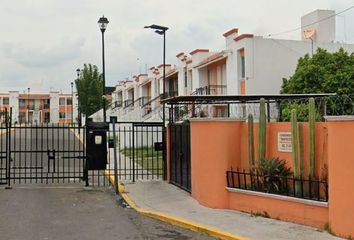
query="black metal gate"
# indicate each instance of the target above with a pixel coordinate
(50, 153)
(140, 151)
(3, 147)
(180, 154)
(56, 153)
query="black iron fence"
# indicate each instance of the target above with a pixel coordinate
(128, 103)
(311, 189)
(278, 107)
(211, 90)
(139, 151)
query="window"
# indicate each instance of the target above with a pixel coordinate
(47, 117)
(242, 64)
(210, 78)
(22, 117)
(37, 104)
(46, 103)
(191, 79)
(31, 104)
(69, 115)
(61, 115)
(185, 78)
(22, 103)
(5, 101)
(61, 101)
(69, 101)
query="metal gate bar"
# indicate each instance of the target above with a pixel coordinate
(49, 153)
(137, 157)
(180, 167)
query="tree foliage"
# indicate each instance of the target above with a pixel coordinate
(89, 89)
(324, 72)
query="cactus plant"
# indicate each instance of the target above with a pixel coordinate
(301, 150)
(250, 142)
(294, 142)
(262, 130)
(312, 121)
(295, 148)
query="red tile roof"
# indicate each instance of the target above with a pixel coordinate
(198, 50)
(242, 36)
(212, 58)
(232, 31)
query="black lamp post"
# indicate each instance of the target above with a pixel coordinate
(102, 23)
(78, 71)
(161, 30)
(72, 102)
(28, 103)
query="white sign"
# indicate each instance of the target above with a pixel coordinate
(284, 142)
(98, 140)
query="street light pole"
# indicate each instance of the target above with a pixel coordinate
(28, 105)
(78, 106)
(72, 102)
(102, 23)
(161, 30)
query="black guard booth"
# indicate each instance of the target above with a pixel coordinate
(96, 145)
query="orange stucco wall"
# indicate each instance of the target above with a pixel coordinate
(341, 173)
(321, 153)
(297, 212)
(216, 146)
(213, 146)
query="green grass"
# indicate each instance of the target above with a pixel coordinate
(142, 152)
(147, 158)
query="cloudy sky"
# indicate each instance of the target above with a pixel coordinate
(43, 42)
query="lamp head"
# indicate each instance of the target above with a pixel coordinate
(102, 23)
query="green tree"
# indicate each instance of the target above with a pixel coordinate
(89, 90)
(324, 72)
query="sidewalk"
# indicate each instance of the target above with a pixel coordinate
(167, 199)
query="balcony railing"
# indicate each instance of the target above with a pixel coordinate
(211, 90)
(310, 189)
(128, 103)
(147, 108)
(169, 94)
(143, 100)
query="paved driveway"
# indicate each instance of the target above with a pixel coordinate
(70, 213)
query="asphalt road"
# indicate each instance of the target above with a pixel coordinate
(70, 213)
(46, 203)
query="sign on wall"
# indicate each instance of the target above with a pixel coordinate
(284, 142)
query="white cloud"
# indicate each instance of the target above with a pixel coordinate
(44, 41)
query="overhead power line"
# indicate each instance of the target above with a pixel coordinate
(321, 20)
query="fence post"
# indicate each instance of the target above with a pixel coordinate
(133, 153)
(115, 157)
(8, 119)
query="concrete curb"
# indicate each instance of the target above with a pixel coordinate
(180, 222)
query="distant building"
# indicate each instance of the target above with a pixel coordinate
(248, 65)
(54, 107)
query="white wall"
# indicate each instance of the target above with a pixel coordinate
(325, 30)
(268, 61)
(13, 103)
(54, 107)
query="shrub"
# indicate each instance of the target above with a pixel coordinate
(273, 174)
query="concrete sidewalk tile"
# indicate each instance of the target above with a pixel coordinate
(167, 199)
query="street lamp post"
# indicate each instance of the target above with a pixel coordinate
(72, 102)
(161, 30)
(78, 108)
(28, 105)
(102, 23)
